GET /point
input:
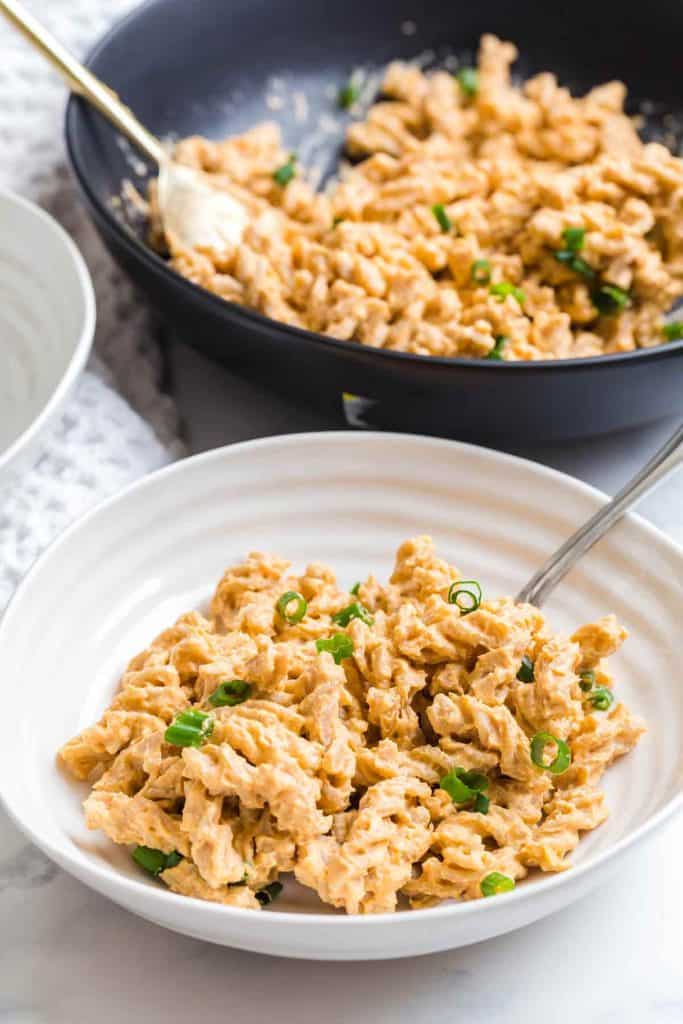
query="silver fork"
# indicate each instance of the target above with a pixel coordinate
(668, 458)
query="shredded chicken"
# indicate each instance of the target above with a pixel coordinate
(333, 764)
(451, 195)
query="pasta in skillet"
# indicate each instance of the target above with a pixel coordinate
(407, 742)
(482, 219)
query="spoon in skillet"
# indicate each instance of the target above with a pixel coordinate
(668, 458)
(192, 210)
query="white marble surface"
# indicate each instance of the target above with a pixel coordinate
(68, 956)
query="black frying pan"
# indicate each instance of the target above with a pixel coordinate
(203, 67)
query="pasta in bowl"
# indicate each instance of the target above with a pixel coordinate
(391, 745)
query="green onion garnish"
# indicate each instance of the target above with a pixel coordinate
(601, 698)
(337, 220)
(587, 680)
(579, 266)
(458, 791)
(155, 861)
(480, 271)
(352, 611)
(189, 729)
(230, 693)
(283, 175)
(340, 646)
(347, 95)
(505, 288)
(283, 603)
(468, 80)
(608, 299)
(673, 331)
(476, 781)
(563, 758)
(443, 220)
(466, 594)
(495, 883)
(481, 804)
(575, 263)
(355, 588)
(268, 893)
(574, 238)
(463, 786)
(497, 351)
(526, 670)
(151, 860)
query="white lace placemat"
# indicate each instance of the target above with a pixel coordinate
(119, 424)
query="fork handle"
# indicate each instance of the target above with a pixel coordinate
(82, 81)
(663, 462)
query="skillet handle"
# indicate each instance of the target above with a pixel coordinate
(83, 82)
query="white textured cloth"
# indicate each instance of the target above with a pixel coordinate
(119, 424)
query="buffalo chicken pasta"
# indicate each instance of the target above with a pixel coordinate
(480, 218)
(388, 745)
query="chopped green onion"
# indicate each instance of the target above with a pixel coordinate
(476, 781)
(352, 611)
(466, 594)
(337, 220)
(673, 331)
(300, 610)
(580, 266)
(151, 860)
(497, 351)
(480, 271)
(496, 883)
(601, 698)
(230, 693)
(340, 646)
(268, 893)
(526, 670)
(443, 220)
(355, 588)
(468, 80)
(283, 175)
(608, 299)
(189, 729)
(155, 861)
(575, 263)
(464, 786)
(347, 95)
(563, 758)
(505, 288)
(481, 804)
(458, 791)
(574, 238)
(587, 680)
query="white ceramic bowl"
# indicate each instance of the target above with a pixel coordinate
(127, 569)
(47, 322)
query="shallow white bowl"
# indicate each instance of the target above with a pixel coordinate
(127, 569)
(47, 322)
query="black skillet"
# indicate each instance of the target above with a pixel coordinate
(207, 66)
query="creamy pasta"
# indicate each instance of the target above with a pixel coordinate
(482, 219)
(390, 745)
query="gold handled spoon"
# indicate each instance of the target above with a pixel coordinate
(192, 210)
